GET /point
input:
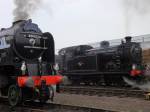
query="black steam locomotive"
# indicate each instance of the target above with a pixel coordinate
(26, 63)
(107, 65)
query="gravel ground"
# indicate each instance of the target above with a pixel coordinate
(108, 103)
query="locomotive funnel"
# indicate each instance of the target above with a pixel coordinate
(128, 39)
(104, 44)
(18, 21)
(15, 22)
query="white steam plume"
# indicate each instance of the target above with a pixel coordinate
(25, 8)
(145, 86)
(135, 9)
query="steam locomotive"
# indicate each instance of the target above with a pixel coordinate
(104, 66)
(26, 63)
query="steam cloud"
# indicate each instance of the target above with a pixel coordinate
(66, 81)
(30, 82)
(139, 6)
(145, 86)
(135, 9)
(25, 8)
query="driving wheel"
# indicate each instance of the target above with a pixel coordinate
(14, 95)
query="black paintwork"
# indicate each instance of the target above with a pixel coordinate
(25, 42)
(85, 63)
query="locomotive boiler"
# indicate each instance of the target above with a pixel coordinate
(106, 65)
(26, 63)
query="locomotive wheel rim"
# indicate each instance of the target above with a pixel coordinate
(13, 95)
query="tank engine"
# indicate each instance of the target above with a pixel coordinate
(107, 65)
(26, 63)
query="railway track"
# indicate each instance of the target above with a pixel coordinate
(103, 91)
(48, 107)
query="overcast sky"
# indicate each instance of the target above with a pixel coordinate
(74, 22)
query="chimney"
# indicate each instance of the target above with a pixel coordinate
(128, 39)
(104, 44)
(16, 22)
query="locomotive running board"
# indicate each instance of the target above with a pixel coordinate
(101, 73)
(33, 47)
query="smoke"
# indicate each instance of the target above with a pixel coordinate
(66, 80)
(30, 82)
(145, 86)
(135, 9)
(25, 8)
(139, 6)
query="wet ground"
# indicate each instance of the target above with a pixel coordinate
(49, 107)
(125, 104)
(96, 103)
(21, 109)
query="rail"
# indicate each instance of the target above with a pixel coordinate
(103, 91)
